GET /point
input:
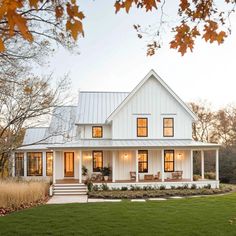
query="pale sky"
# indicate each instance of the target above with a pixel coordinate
(112, 58)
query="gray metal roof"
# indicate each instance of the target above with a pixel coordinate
(112, 144)
(34, 135)
(62, 128)
(95, 107)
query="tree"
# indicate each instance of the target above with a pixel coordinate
(61, 20)
(203, 128)
(23, 103)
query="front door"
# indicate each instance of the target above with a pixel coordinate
(69, 164)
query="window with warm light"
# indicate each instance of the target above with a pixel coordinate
(169, 160)
(97, 132)
(143, 161)
(49, 163)
(97, 161)
(168, 127)
(142, 127)
(34, 164)
(19, 164)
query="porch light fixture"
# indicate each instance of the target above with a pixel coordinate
(179, 156)
(125, 155)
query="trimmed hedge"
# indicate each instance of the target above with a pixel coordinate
(155, 193)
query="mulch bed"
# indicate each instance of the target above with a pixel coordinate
(5, 211)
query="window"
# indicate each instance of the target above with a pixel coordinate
(97, 131)
(97, 161)
(49, 163)
(169, 160)
(19, 164)
(34, 164)
(142, 127)
(168, 127)
(143, 161)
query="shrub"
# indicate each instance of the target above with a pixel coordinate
(162, 187)
(17, 194)
(185, 186)
(124, 189)
(193, 186)
(173, 187)
(104, 187)
(89, 184)
(95, 188)
(207, 186)
(135, 188)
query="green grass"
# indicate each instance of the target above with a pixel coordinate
(195, 216)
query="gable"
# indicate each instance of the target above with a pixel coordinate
(164, 89)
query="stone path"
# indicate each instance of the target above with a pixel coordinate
(68, 199)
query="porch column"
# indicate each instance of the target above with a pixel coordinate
(202, 164)
(191, 165)
(25, 164)
(136, 159)
(13, 164)
(113, 167)
(217, 164)
(44, 164)
(54, 167)
(80, 166)
(162, 166)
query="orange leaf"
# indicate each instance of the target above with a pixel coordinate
(2, 47)
(34, 3)
(117, 6)
(128, 4)
(59, 12)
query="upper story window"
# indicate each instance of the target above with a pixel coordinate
(168, 127)
(142, 127)
(97, 161)
(169, 160)
(97, 132)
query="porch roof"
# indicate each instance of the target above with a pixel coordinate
(120, 144)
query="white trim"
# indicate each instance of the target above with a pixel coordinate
(158, 78)
(202, 164)
(217, 164)
(136, 161)
(162, 166)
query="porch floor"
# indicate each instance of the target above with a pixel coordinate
(71, 181)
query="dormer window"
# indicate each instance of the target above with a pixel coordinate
(142, 127)
(168, 127)
(97, 132)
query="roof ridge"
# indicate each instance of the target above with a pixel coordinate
(103, 92)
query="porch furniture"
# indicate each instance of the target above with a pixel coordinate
(177, 174)
(157, 176)
(96, 177)
(148, 177)
(132, 175)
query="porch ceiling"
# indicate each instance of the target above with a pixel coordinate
(121, 144)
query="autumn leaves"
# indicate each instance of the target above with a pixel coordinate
(13, 17)
(197, 19)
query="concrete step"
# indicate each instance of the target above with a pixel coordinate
(69, 190)
(69, 187)
(60, 185)
(68, 194)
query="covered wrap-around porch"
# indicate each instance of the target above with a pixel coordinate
(144, 166)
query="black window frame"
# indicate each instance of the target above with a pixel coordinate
(47, 163)
(22, 171)
(138, 127)
(170, 151)
(41, 157)
(97, 126)
(97, 169)
(143, 151)
(168, 127)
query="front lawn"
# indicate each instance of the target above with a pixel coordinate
(214, 215)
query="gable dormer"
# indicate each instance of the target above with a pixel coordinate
(166, 116)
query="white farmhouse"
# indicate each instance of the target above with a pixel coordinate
(144, 137)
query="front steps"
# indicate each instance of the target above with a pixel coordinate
(69, 189)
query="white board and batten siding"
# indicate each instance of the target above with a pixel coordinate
(154, 102)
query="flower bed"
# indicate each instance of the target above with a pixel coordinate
(16, 195)
(155, 193)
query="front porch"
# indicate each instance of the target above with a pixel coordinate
(157, 167)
